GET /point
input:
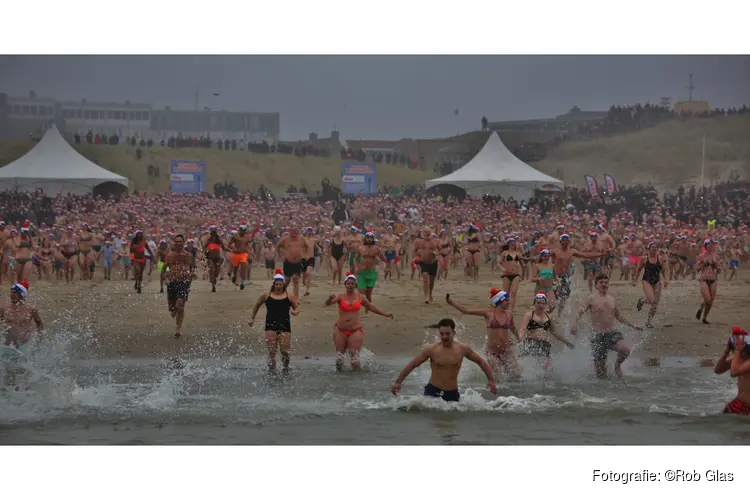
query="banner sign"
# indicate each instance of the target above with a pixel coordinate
(592, 185)
(609, 181)
(187, 176)
(359, 179)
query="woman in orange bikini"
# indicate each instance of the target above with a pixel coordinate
(348, 333)
(139, 252)
(499, 320)
(214, 249)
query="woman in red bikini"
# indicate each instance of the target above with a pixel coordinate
(138, 256)
(499, 320)
(348, 333)
(736, 361)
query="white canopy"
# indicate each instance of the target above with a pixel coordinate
(495, 171)
(54, 166)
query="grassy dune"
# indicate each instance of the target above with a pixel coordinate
(246, 170)
(666, 155)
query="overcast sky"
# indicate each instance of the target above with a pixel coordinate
(381, 97)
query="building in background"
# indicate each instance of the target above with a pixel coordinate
(31, 115)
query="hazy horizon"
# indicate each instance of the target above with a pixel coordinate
(382, 97)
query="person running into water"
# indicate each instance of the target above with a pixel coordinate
(85, 254)
(510, 265)
(389, 250)
(736, 360)
(140, 252)
(242, 254)
(293, 246)
(308, 258)
(213, 249)
(348, 334)
(368, 255)
(108, 256)
(536, 329)
(473, 246)
(338, 257)
(20, 322)
(709, 268)
(279, 306)
(23, 254)
(604, 312)
(499, 320)
(654, 278)
(426, 250)
(177, 274)
(545, 278)
(562, 257)
(445, 358)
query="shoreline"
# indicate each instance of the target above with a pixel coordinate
(107, 320)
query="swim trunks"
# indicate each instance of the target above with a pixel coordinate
(390, 255)
(602, 343)
(270, 264)
(177, 290)
(366, 278)
(536, 348)
(239, 258)
(592, 268)
(292, 268)
(562, 288)
(436, 392)
(430, 268)
(738, 407)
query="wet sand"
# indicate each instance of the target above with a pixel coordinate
(108, 319)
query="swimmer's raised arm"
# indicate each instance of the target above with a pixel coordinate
(332, 299)
(465, 310)
(723, 364)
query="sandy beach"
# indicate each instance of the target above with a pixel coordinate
(107, 319)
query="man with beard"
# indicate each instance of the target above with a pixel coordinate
(426, 250)
(293, 246)
(445, 358)
(367, 256)
(176, 272)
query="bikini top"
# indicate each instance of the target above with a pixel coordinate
(495, 324)
(347, 307)
(534, 325)
(546, 274)
(24, 244)
(510, 258)
(473, 239)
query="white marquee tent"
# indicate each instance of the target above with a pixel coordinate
(54, 166)
(495, 171)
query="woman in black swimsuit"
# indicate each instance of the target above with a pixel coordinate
(337, 256)
(279, 306)
(510, 264)
(536, 329)
(708, 269)
(654, 278)
(473, 247)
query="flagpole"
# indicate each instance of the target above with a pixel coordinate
(703, 163)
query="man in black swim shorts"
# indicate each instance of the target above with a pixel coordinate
(605, 313)
(445, 358)
(178, 274)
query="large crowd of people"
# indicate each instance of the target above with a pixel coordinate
(199, 240)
